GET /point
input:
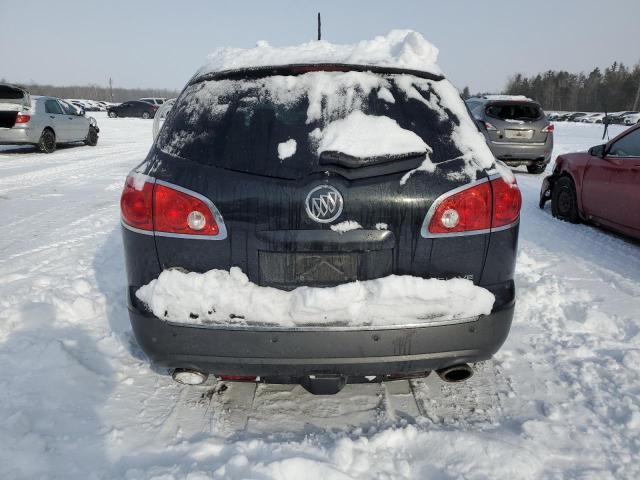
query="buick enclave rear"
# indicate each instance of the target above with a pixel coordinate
(320, 224)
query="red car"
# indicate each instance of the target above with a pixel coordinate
(601, 186)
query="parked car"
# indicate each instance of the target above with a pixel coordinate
(593, 118)
(86, 105)
(516, 130)
(154, 100)
(563, 117)
(601, 186)
(238, 177)
(576, 116)
(42, 121)
(133, 108)
(617, 118)
(631, 119)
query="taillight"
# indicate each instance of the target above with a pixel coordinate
(136, 203)
(168, 210)
(22, 118)
(477, 208)
(489, 126)
(464, 211)
(549, 128)
(179, 212)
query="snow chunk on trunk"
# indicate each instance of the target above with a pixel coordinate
(366, 136)
(399, 49)
(287, 149)
(346, 226)
(229, 298)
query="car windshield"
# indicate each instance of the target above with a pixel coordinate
(514, 111)
(288, 125)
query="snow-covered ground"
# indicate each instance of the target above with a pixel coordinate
(78, 400)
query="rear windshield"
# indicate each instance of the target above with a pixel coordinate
(280, 125)
(514, 111)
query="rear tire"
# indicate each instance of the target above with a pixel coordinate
(537, 168)
(92, 137)
(112, 114)
(564, 204)
(47, 142)
(146, 115)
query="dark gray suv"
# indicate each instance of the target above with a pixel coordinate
(270, 179)
(516, 129)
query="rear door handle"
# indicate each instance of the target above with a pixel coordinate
(52, 116)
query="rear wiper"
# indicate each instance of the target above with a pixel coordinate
(332, 157)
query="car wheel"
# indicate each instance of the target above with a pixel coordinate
(113, 114)
(537, 168)
(146, 115)
(92, 137)
(47, 142)
(564, 203)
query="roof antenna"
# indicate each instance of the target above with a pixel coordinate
(319, 27)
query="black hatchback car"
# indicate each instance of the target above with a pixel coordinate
(133, 108)
(317, 181)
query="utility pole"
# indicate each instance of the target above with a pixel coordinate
(319, 27)
(635, 103)
(110, 89)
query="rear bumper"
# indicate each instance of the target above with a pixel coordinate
(13, 136)
(521, 153)
(294, 353)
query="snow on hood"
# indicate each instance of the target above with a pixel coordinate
(366, 136)
(228, 298)
(398, 49)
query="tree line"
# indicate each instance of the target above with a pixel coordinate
(95, 92)
(615, 89)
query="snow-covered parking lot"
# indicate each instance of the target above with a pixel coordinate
(78, 400)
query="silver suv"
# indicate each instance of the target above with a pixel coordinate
(516, 129)
(42, 121)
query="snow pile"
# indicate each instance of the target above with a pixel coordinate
(346, 226)
(399, 49)
(366, 136)
(228, 297)
(287, 149)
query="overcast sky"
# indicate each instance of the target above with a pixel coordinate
(161, 43)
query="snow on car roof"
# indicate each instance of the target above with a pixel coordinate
(405, 49)
(519, 98)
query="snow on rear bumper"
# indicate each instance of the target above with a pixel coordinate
(287, 352)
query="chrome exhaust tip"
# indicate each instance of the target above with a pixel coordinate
(186, 376)
(456, 373)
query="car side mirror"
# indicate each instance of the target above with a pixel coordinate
(81, 112)
(598, 151)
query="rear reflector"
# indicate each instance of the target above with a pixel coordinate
(22, 118)
(168, 210)
(475, 209)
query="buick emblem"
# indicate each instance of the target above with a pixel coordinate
(324, 204)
